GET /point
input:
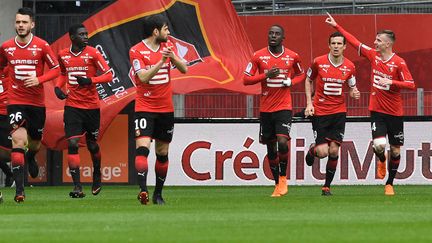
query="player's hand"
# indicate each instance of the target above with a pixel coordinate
(330, 20)
(272, 72)
(309, 111)
(83, 81)
(287, 82)
(385, 81)
(59, 93)
(167, 53)
(355, 93)
(31, 81)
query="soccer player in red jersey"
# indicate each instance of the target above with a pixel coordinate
(152, 60)
(5, 129)
(276, 68)
(79, 65)
(389, 75)
(331, 72)
(26, 56)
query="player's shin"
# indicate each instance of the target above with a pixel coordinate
(274, 167)
(95, 153)
(330, 169)
(141, 165)
(74, 163)
(96, 157)
(283, 160)
(17, 160)
(161, 169)
(393, 167)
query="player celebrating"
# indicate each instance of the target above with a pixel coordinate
(79, 65)
(26, 56)
(328, 109)
(5, 138)
(151, 61)
(278, 69)
(389, 74)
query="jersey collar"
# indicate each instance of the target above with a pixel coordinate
(276, 56)
(27, 44)
(76, 54)
(384, 61)
(333, 64)
(150, 47)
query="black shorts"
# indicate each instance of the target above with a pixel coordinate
(5, 130)
(274, 124)
(155, 125)
(384, 124)
(78, 122)
(28, 116)
(329, 128)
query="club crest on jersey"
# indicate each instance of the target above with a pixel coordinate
(287, 60)
(391, 66)
(344, 70)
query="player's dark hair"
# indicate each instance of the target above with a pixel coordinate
(337, 34)
(389, 33)
(74, 28)
(26, 11)
(153, 22)
(280, 27)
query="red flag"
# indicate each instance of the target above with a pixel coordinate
(208, 35)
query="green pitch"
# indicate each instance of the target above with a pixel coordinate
(219, 214)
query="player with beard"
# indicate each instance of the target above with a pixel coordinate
(26, 55)
(151, 60)
(389, 75)
(79, 65)
(331, 72)
(276, 68)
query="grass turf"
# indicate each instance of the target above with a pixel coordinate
(222, 214)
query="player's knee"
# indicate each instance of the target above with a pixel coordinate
(73, 146)
(162, 150)
(322, 151)
(271, 151)
(394, 151)
(19, 143)
(283, 147)
(334, 151)
(92, 147)
(379, 144)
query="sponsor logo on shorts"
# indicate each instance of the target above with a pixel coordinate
(95, 133)
(170, 131)
(288, 126)
(400, 136)
(137, 133)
